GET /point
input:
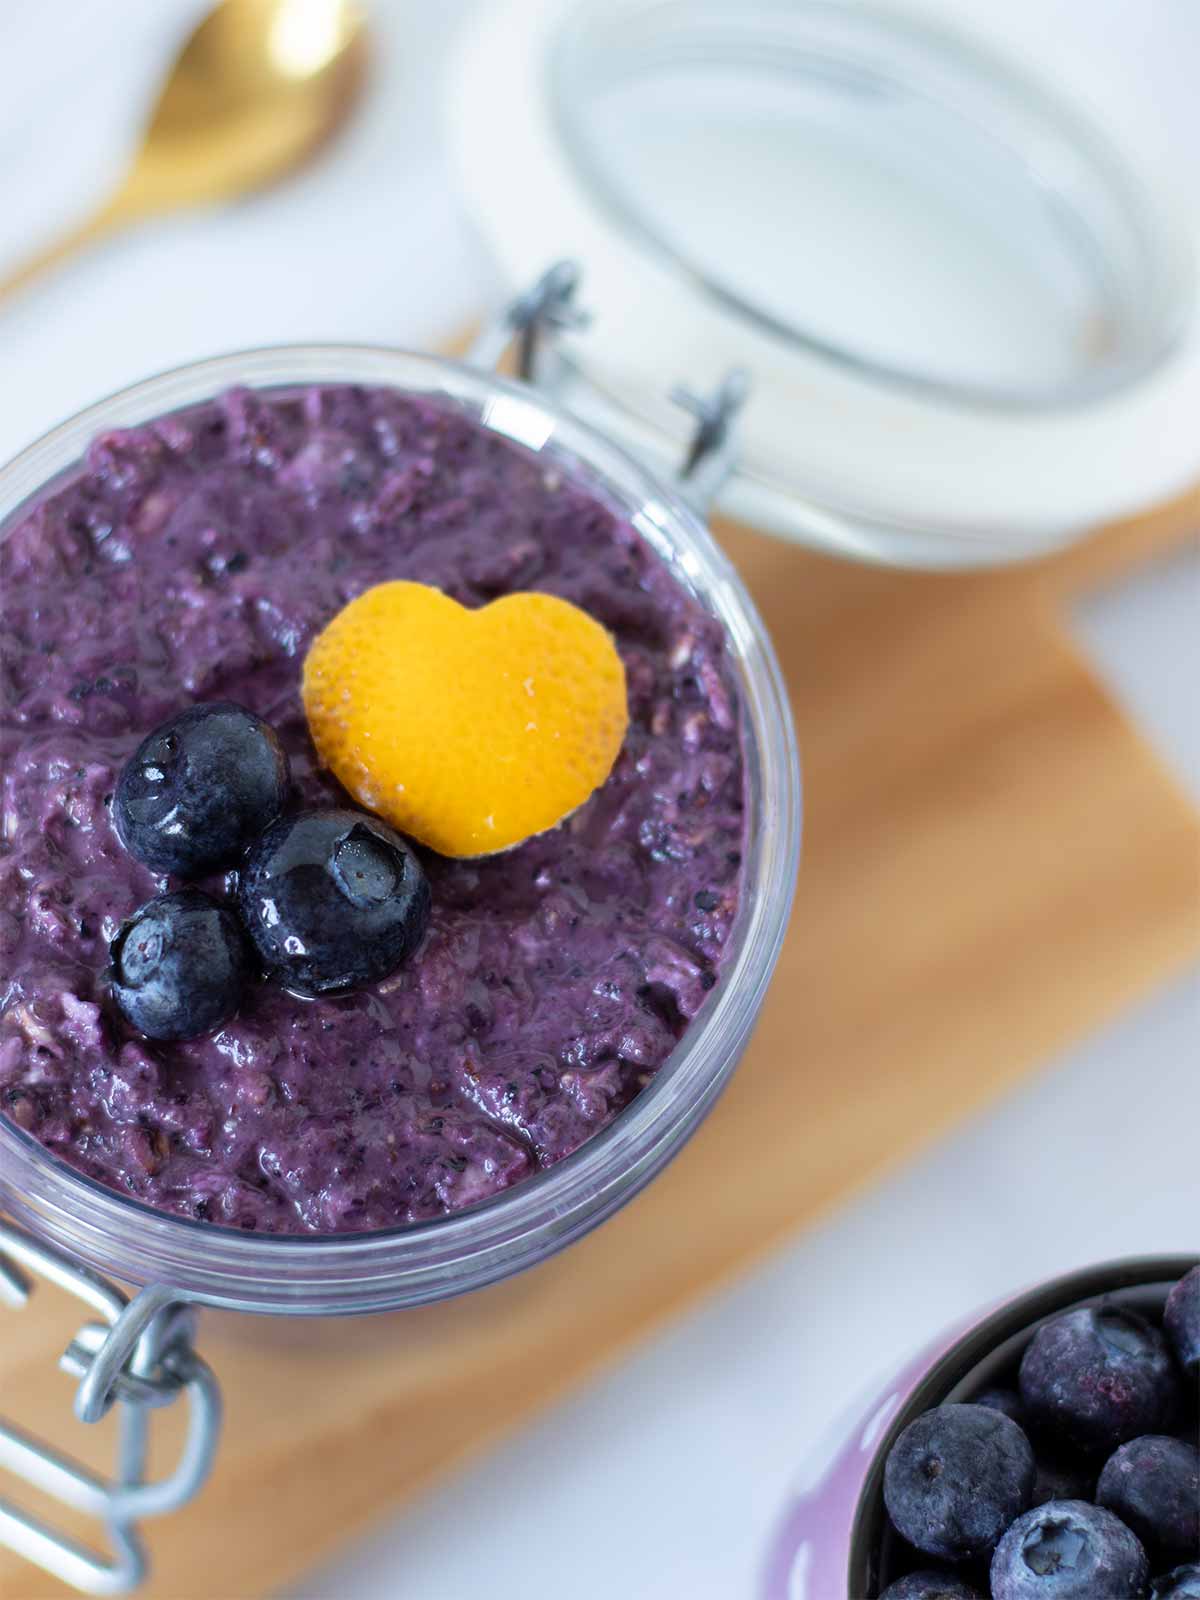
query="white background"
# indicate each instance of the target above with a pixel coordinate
(665, 1478)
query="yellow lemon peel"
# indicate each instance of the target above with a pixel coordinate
(468, 730)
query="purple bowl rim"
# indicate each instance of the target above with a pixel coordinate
(1016, 1313)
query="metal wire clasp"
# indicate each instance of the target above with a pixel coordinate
(139, 1358)
(548, 307)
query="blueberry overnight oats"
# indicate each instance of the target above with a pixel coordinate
(194, 560)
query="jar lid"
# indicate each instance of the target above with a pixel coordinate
(966, 316)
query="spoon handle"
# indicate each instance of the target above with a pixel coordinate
(114, 214)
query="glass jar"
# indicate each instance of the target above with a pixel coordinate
(176, 1261)
(833, 1542)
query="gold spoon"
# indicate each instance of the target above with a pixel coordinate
(255, 89)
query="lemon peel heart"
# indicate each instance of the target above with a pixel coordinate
(469, 730)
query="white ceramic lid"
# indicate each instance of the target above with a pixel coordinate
(967, 319)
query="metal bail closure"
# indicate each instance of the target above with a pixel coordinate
(139, 1358)
(712, 453)
(546, 308)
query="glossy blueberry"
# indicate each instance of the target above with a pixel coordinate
(1181, 1583)
(179, 966)
(1096, 1376)
(1069, 1550)
(927, 1585)
(199, 788)
(1002, 1399)
(1153, 1485)
(956, 1478)
(333, 900)
(1181, 1320)
(1062, 1480)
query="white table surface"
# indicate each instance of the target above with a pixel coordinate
(664, 1478)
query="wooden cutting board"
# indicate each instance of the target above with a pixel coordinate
(994, 863)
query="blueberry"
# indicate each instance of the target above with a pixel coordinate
(927, 1585)
(1069, 1550)
(1001, 1399)
(1061, 1480)
(1181, 1319)
(199, 788)
(1096, 1376)
(956, 1478)
(1183, 1583)
(1153, 1485)
(179, 966)
(333, 900)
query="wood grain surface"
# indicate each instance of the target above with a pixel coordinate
(994, 863)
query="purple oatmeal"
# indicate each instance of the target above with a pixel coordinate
(195, 558)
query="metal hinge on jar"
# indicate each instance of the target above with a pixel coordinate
(138, 1359)
(531, 321)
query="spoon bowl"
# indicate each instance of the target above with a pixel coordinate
(254, 91)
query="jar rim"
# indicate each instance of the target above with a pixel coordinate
(881, 53)
(387, 1269)
(964, 471)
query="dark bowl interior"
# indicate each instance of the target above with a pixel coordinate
(990, 1354)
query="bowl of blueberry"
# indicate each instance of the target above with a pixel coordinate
(1047, 1450)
